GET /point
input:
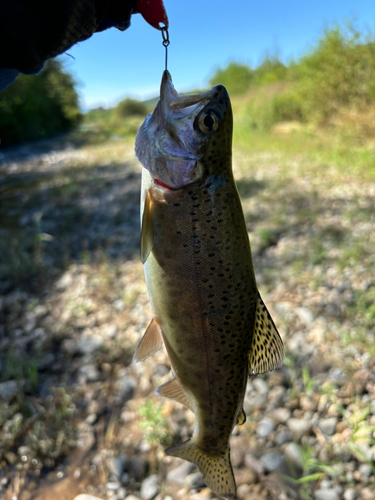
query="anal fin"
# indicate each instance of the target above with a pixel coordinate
(241, 417)
(174, 390)
(147, 234)
(267, 350)
(151, 342)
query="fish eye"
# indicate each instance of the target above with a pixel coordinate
(208, 122)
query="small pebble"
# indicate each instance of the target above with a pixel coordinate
(282, 415)
(178, 475)
(150, 487)
(326, 495)
(299, 427)
(260, 385)
(327, 425)
(367, 494)
(293, 453)
(113, 485)
(137, 468)
(365, 470)
(265, 427)
(350, 494)
(283, 437)
(125, 389)
(86, 496)
(8, 390)
(89, 344)
(195, 481)
(272, 461)
(90, 372)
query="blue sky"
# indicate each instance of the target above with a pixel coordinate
(204, 34)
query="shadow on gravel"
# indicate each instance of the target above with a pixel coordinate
(57, 339)
(250, 187)
(50, 219)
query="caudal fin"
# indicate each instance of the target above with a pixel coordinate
(217, 470)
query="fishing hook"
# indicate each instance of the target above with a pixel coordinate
(165, 42)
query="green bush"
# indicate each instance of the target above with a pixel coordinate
(338, 73)
(270, 70)
(288, 106)
(131, 107)
(237, 78)
(38, 106)
(269, 106)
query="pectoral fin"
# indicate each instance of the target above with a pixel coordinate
(147, 235)
(151, 342)
(174, 390)
(267, 350)
(241, 417)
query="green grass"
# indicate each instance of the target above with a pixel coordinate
(318, 154)
(153, 424)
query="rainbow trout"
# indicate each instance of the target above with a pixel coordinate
(199, 273)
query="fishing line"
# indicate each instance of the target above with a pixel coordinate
(165, 42)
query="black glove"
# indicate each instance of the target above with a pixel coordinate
(32, 31)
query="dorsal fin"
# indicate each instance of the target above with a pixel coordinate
(147, 233)
(267, 350)
(174, 390)
(151, 342)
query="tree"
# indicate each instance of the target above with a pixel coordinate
(38, 106)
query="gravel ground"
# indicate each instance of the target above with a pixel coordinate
(77, 418)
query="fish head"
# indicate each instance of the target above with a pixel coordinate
(186, 138)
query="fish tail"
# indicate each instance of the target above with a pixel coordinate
(216, 469)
